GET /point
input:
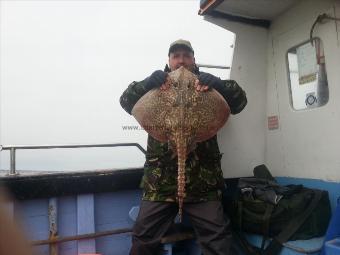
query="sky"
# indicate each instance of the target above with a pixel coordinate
(64, 65)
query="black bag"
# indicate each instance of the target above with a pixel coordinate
(291, 212)
(257, 216)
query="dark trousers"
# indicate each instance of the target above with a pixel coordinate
(155, 218)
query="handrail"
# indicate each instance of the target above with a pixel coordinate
(13, 148)
(213, 66)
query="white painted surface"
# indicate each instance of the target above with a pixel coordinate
(256, 8)
(307, 144)
(242, 140)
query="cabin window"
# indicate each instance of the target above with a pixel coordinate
(307, 75)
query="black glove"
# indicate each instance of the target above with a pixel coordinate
(210, 80)
(155, 80)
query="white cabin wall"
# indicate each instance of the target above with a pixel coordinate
(242, 140)
(307, 143)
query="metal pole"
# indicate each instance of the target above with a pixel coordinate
(167, 239)
(81, 237)
(12, 169)
(213, 66)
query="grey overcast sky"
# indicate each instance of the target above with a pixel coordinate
(64, 65)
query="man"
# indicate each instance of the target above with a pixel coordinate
(204, 179)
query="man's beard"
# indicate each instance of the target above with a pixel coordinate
(191, 68)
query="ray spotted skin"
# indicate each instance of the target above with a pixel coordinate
(181, 116)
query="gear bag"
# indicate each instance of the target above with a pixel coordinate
(291, 212)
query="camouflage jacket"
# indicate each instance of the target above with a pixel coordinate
(204, 178)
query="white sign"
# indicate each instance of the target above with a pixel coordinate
(306, 56)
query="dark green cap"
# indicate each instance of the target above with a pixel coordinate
(180, 44)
